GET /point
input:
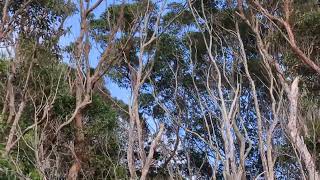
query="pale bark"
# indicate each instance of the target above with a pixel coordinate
(267, 160)
(85, 81)
(285, 22)
(227, 106)
(149, 159)
(292, 92)
(14, 125)
(138, 76)
(21, 105)
(293, 131)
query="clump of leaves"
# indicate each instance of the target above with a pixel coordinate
(64, 105)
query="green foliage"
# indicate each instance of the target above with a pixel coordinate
(3, 66)
(310, 22)
(178, 15)
(6, 168)
(101, 131)
(35, 175)
(64, 105)
(102, 27)
(102, 118)
(179, 52)
(41, 17)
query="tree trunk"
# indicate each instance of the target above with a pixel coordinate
(79, 148)
(294, 134)
(14, 127)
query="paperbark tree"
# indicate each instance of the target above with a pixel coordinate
(291, 89)
(138, 75)
(85, 80)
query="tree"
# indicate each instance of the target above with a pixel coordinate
(218, 90)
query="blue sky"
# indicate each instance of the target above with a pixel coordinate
(74, 23)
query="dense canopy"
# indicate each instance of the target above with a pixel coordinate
(179, 89)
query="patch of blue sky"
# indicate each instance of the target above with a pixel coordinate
(73, 23)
